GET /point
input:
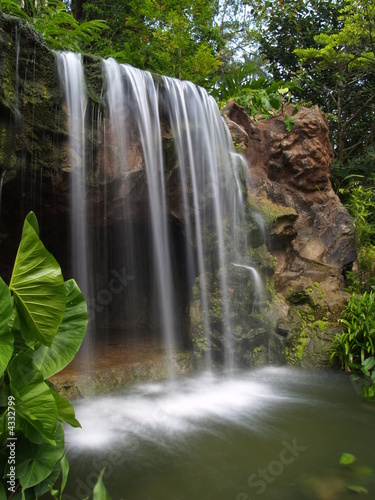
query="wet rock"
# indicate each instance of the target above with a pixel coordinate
(311, 234)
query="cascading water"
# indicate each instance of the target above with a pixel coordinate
(208, 164)
(144, 95)
(206, 172)
(72, 77)
(178, 112)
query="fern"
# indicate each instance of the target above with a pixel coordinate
(59, 28)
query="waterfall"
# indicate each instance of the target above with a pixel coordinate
(206, 157)
(145, 101)
(72, 77)
(208, 178)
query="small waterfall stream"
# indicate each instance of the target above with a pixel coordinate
(71, 73)
(207, 173)
(145, 96)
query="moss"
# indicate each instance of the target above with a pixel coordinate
(271, 212)
(259, 356)
(265, 260)
(298, 297)
(240, 147)
(295, 349)
(94, 78)
(216, 303)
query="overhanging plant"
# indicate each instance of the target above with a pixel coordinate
(42, 324)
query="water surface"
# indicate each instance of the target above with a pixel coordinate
(272, 433)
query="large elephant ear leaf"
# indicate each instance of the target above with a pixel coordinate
(65, 410)
(39, 461)
(6, 338)
(38, 287)
(34, 401)
(52, 359)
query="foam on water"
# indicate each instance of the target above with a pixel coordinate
(158, 412)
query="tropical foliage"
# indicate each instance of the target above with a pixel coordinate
(266, 99)
(358, 196)
(42, 324)
(179, 38)
(56, 24)
(355, 346)
(344, 61)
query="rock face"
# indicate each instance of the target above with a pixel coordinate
(301, 232)
(311, 233)
(290, 170)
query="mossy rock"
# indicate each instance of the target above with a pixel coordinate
(271, 212)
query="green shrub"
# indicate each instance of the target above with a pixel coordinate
(360, 201)
(355, 347)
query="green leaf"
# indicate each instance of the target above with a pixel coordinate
(289, 123)
(275, 101)
(357, 488)
(368, 364)
(34, 400)
(320, 324)
(42, 459)
(295, 110)
(265, 102)
(64, 472)
(47, 484)
(100, 492)
(33, 221)
(6, 338)
(347, 459)
(68, 339)
(65, 411)
(38, 288)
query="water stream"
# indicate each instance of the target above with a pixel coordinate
(272, 433)
(144, 93)
(71, 74)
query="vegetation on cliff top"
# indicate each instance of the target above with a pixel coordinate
(238, 48)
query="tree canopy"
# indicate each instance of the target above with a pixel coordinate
(323, 48)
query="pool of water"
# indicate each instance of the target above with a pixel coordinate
(272, 433)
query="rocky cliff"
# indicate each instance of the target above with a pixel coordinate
(311, 233)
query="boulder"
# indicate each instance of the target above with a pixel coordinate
(311, 233)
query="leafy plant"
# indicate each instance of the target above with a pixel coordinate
(360, 201)
(239, 77)
(56, 24)
(42, 324)
(356, 473)
(347, 459)
(265, 98)
(355, 347)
